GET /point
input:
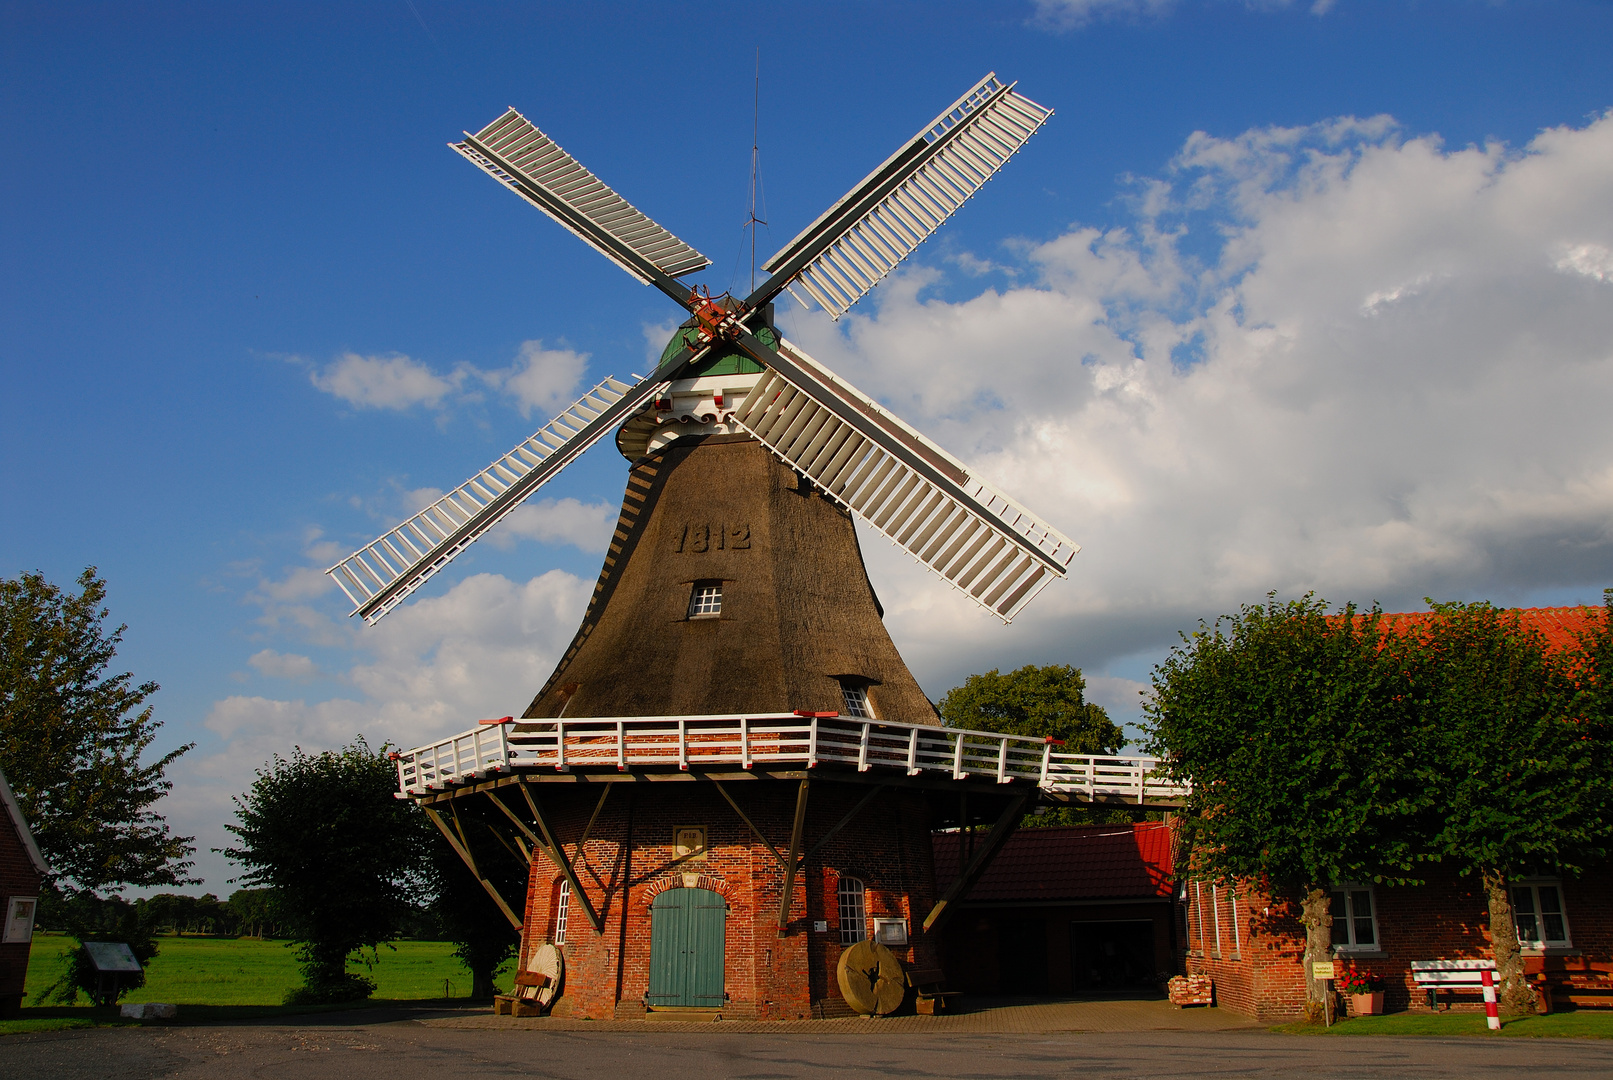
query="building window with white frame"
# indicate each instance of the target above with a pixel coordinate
(1537, 909)
(705, 600)
(853, 911)
(562, 909)
(855, 696)
(1355, 918)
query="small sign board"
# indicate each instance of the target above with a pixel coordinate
(20, 919)
(109, 956)
(1322, 969)
(689, 842)
(821, 926)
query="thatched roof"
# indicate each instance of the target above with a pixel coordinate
(798, 613)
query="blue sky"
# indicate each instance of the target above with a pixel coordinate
(1283, 297)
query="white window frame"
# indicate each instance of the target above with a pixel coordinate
(1350, 889)
(562, 911)
(852, 896)
(1534, 885)
(855, 696)
(705, 600)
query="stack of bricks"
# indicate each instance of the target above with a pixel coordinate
(1191, 990)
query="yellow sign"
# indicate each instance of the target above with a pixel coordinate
(1322, 969)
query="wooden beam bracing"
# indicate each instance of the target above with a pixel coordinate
(557, 855)
(746, 819)
(796, 836)
(843, 822)
(464, 854)
(1006, 824)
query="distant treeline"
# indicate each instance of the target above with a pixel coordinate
(247, 913)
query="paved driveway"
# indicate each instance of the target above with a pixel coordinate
(356, 1046)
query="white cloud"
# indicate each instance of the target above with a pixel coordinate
(587, 526)
(544, 380)
(1384, 376)
(291, 666)
(383, 382)
(1073, 14)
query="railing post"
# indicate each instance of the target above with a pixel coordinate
(504, 746)
(1047, 760)
(1140, 775)
(957, 758)
(403, 787)
(913, 752)
(1002, 760)
(560, 746)
(862, 749)
(621, 746)
(1092, 777)
(744, 742)
(683, 744)
(812, 745)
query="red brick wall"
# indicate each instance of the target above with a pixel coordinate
(1445, 919)
(768, 975)
(17, 878)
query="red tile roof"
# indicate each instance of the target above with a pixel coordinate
(1079, 862)
(1560, 626)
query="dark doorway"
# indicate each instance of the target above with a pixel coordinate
(1022, 956)
(1112, 955)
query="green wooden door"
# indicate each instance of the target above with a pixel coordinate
(687, 930)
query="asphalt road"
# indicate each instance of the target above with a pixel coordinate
(410, 1050)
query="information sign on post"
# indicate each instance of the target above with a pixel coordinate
(1322, 971)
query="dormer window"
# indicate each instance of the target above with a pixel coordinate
(855, 696)
(705, 601)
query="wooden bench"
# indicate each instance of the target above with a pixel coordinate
(932, 996)
(1569, 980)
(1453, 976)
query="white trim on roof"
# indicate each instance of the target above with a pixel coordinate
(21, 825)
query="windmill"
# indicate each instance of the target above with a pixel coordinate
(728, 371)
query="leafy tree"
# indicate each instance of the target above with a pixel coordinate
(325, 832)
(89, 918)
(72, 737)
(1299, 736)
(1522, 782)
(255, 911)
(484, 939)
(1042, 702)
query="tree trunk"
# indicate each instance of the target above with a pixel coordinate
(481, 982)
(1317, 917)
(1514, 994)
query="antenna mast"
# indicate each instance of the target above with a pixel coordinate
(755, 166)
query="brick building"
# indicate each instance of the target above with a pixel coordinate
(1068, 910)
(1252, 944)
(22, 873)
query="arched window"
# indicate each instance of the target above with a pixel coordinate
(853, 912)
(562, 908)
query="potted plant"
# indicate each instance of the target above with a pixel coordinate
(1365, 991)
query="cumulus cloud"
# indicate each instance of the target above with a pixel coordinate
(290, 666)
(586, 526)
(1382, 376)
(383, 382)
(1073, 14)
(538, 380)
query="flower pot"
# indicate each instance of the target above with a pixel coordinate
(1366, 1004)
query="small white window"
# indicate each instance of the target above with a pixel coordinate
(706, 599)
(1537, 908)
(853, 912)
(856, 698)
(1355, 918)
(562, 908)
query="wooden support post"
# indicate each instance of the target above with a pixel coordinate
(589, 828)
(557, 855)
(1007, 822)
(796, 836)
(723, 791)
(464, 854)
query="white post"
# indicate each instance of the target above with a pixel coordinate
(812, 745)
(862, 749)
(913, 752)
(1047, 760)
(957, 758)
(621, 746)
(1002, 760)
(683, 745)
(744, 741)
(560, 746)
(504, 746)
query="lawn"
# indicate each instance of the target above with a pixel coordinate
(247, 971)
(1585, 1024)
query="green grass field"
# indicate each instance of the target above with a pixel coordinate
(245, 971)
(1586, 1024)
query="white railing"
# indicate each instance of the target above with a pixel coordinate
(702, 742)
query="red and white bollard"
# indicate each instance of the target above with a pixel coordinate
(1491, 1016)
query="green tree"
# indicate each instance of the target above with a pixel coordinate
(1522, 783)
(89, 918)
(72, 737)
(255, 911)
(1041, 702)
(483, 938)
(1298, 733)
(342, 855)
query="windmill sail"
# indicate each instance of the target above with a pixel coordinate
(882, 220)
(379, 575)
(927, 502)
(516, 154)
